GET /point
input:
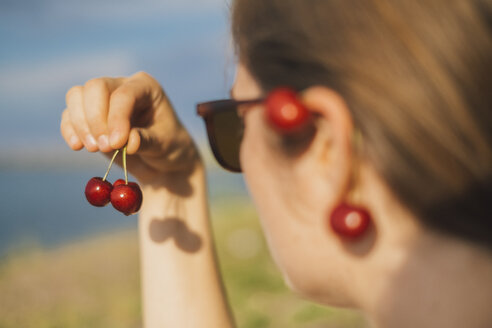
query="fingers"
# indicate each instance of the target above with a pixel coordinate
(133, 142)
(96, 102)
(75, 109)
(84, 122)
(101, 113)
(124, 102)
(69, 133)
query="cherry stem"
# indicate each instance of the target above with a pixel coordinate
(124, 165)
(110, 164)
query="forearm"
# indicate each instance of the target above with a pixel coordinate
(180, 280)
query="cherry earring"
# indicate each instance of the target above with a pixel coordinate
(349, 221)
(284, 112)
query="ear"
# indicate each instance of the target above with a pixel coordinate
(331, 150)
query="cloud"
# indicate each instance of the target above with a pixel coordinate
(51, 45)
(58, 74)
(110, 10)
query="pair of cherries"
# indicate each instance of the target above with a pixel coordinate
(288, 116)
(125, 196)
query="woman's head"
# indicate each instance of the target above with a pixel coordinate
(411, 76)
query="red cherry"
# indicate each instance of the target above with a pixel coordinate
(284, 112)
(119, 182)
(349, 221)
(97, 191)
(127, 198)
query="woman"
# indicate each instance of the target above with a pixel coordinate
(399, 136)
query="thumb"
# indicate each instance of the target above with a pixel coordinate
(130, 98)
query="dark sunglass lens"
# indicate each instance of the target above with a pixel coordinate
(228, 133)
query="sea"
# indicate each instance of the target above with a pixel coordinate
(47, 208)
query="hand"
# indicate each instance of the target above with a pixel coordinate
(108, 113)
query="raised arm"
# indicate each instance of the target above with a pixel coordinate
(181, 285)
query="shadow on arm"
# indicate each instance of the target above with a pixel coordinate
(174, 228)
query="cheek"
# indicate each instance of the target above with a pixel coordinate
(275, 196)
(253, 155)
(258, 171)
(269, 189)
(254, 161)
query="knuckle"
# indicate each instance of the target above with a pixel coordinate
(95, 84)
(122, 94)
(142, 74)
(73, 91)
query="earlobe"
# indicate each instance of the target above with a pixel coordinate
(349, 221)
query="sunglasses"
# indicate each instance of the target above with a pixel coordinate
(225, 128)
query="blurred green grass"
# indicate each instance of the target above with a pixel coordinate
(95, 283)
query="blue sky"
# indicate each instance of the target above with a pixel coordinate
(48, 46)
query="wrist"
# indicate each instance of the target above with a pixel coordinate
(159, 174)
(176, 205)
(176, 182)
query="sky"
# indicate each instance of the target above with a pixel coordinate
(47, 46)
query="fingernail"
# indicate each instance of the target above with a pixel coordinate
(103, 141)
(74, 140)
(90, 141)
(114, 138)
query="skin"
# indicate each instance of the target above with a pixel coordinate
(399, 273)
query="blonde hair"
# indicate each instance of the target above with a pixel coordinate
(416, 76)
